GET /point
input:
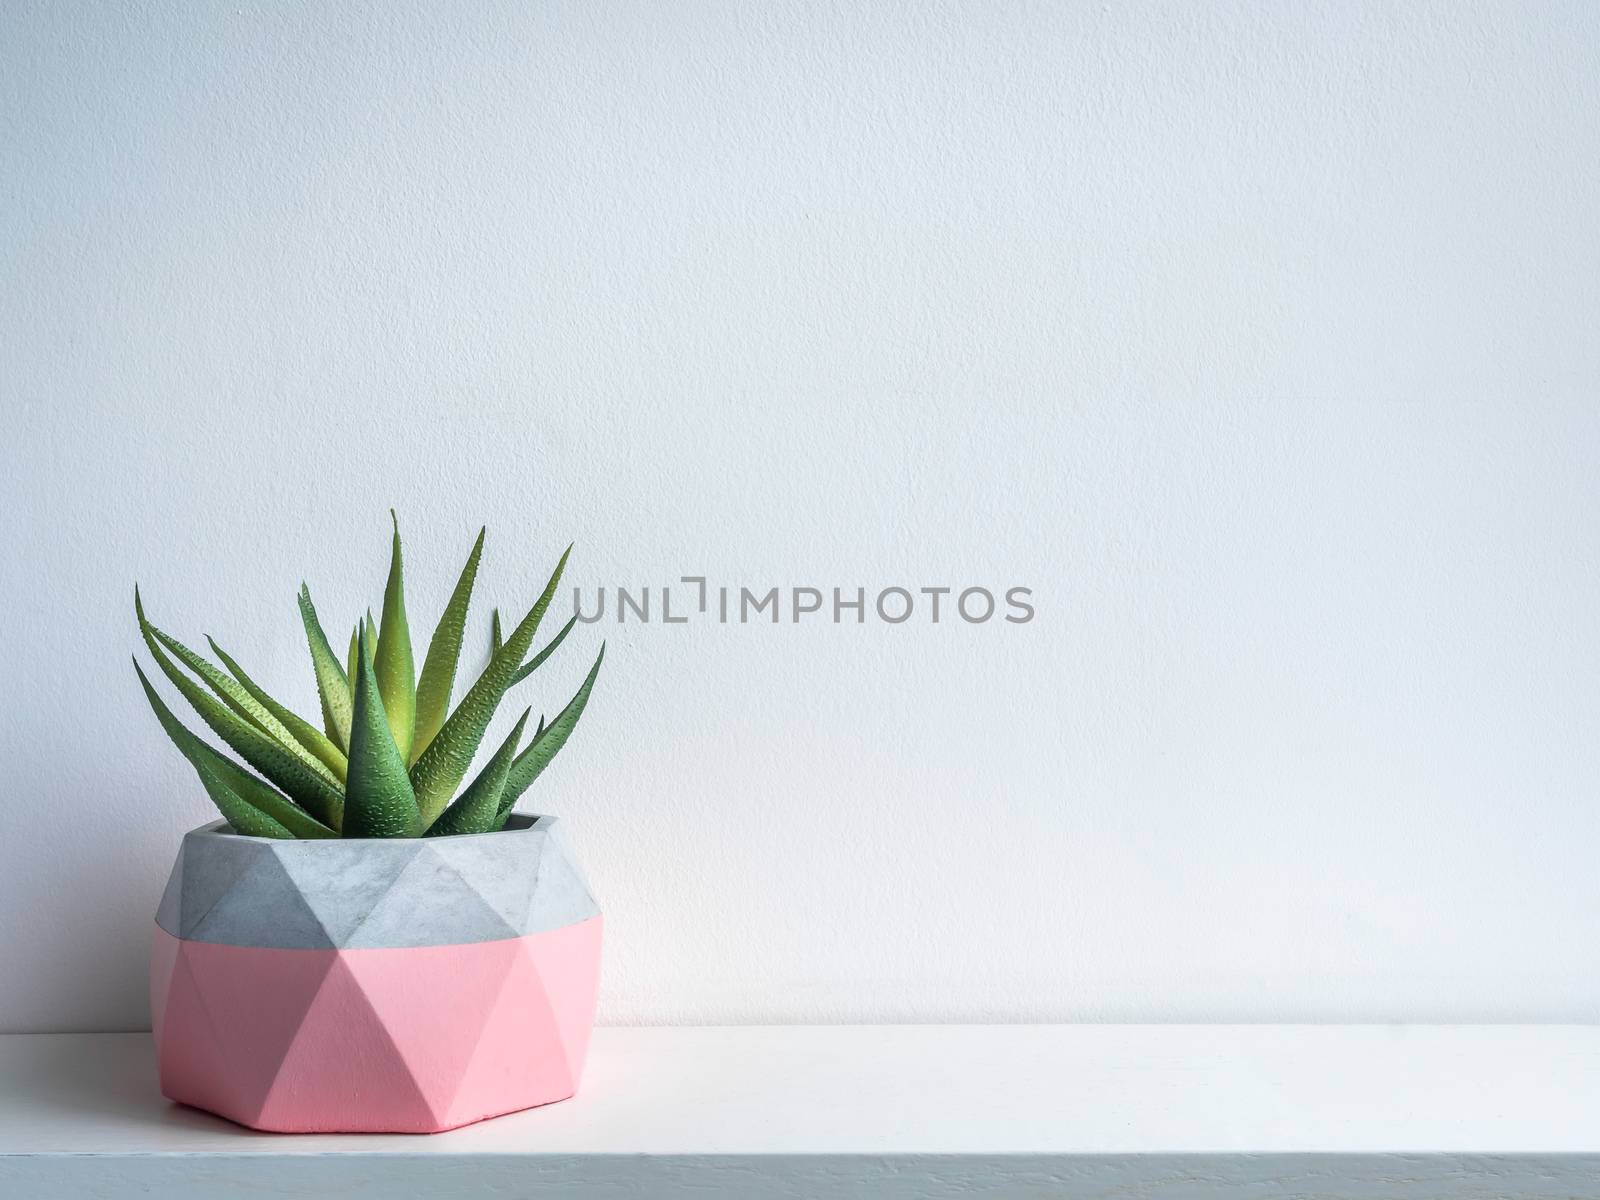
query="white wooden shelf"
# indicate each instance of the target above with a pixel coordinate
(884, 1111)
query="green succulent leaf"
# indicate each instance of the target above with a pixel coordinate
(378, 801)
(353, 661)
(538, 660)
(532, 761)
(311, 789)
(307, 734)
(397, 673)
(249, 805)
(442, 765)
(496, 639)
(230, 692)
(438, 676)
(333, 686)
(371, 627)
(476, 810)
(242, 702)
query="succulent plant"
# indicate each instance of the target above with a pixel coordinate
(391, 752)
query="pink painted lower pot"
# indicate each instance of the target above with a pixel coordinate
(375, 986)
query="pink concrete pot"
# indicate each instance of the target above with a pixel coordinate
(405, 985)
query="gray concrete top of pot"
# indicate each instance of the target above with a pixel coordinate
(373, 892)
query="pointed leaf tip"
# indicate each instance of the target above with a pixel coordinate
(539, 659)
(244, 702)
(333, 685)
(379, 801)
(307, 783)
(439, 768)
(547, 742)
(438, 676)
(391, 653)
(306, 734)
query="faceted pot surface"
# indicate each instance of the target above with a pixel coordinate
(404, 985)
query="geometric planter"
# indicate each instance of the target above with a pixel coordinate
(404, 985)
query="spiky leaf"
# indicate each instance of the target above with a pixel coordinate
(265, 813)
(496, 639)
(397, 674)
(227, 690)
(353, 660)
(307, 788)
(333, 686)
(307, 734)
(532, 761)
(442, 765)
(444, 652)
(538, 660)
(476, 810)
(242, 702)
(378, 799)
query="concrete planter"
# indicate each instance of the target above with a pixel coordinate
(406, 985)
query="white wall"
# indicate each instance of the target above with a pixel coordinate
(1261, 341)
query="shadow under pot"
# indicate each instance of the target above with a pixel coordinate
(374, 985)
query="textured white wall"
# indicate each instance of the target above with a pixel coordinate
(1261, 341)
